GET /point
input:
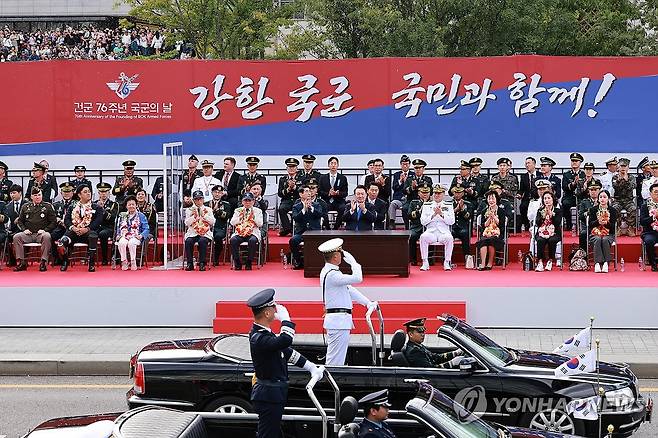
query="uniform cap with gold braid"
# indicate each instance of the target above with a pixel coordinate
(438, 188)
(416, 324)
(331, 245)
(262, 299)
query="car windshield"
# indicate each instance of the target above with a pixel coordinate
(485, 346)
(234, 346)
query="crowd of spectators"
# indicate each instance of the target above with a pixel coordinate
(84, 43)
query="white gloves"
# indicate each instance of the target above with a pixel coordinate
(458, 352)
(454, 362)
(372, 306)
(281, 313)
(349, 258)
(316, 371)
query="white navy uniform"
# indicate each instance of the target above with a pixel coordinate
(205, 184)
(338, 296)
(437, 229)
(606, 182)
(646, 184)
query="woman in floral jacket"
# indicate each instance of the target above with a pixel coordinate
(132, 230)
(549, 231)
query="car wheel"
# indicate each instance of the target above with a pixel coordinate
(554, 420)
(229, 405)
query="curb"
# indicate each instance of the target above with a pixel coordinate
(642, 370)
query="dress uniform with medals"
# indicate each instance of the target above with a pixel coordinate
(338, 295)
(126, 184)
(313, 184)
(467, 182)
(34, 217)
(305, 218)
(110, 212)
(509, 182)
(288, 192)
(271, 355)
(570, 181)
(5, 184)
(607, 175)
(481, 181)
(583, 208)
(420, 356)
(548, 164)
(206, 181)
(413, 213)
(222, 211)
(248, 178)
(416, 179)
(80, 179)
(61, 207)
(311, 173)
(463, 215)
(372, 427)
(191, 174)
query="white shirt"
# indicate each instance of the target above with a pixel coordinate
(205, 184)
(606, 182)
(339, 294)
(533, 208)
(206, 214)
(437, 223)
(258, 220)
(646, 184)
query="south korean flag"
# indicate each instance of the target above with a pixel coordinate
(578, 342)
(583, 363)
(586, 409)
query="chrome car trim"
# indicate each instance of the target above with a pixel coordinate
(147, 401)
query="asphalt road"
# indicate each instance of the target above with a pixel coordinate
(27, 401)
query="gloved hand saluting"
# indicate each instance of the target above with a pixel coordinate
(281, 313)
(349, 258)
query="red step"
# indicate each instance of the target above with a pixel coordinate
(236, 317)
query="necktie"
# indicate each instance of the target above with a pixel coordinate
(333, 181)
(358, 218)
(225, 181)
(16, 207)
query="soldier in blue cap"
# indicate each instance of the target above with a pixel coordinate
(375, 412)
(271, 355)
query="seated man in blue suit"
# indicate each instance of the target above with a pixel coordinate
(359, 215)
(306, 215)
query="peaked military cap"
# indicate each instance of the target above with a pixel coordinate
(416, 324)
(207, 163)
(547, 161)
(379, 398)
(504, 161)
(463, 164)
(457, 189)
(331, 245)
(248, 196)
(80, 167)
(4, 166)
(653, 164)
(193, 158)
(611, 161)
(292, 162)
(36, 190)
(624, 161)
(217, 188)
(424, 187)
(39, 166)
(308, 158)
(262, 299)
(643, 162)
(589, 166)
(104, 187)
(371, 162)
(438, 188)
(594, 184)
(129, 164)
(405, 159)
(66, 187)
(252, 160)
(312, 182)
(197, 194)
(419, 163)
(475, 161)
(542, 183)
(576, 157)
(496, 185)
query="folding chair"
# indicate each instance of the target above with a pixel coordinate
(195, 250)
(32, 252)
(243, 248)
(644, 253)
(559, 249)
(115, 248)
(79, 252)
(590, 251)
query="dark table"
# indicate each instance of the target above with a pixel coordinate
(378, 252)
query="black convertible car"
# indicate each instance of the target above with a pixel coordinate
(508, 386)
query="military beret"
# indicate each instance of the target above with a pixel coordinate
(624, 162)
(547, 161)
(193, 158)
(103, 187)
(207, 163)
(495, 185)
(129, 163)
(463, 164)
(405, 159)
(611, 161)
(504, 161)
(643, 162)
(419, 163)
(438, 188)
(475, 161)
(379, 398)
(217, 188)
(308, 158)
(4, 166)
(252, 160)
(589, 166)
(80, 167)
(542, 183)
(262, 299)
(39, 166)
(66, 187)
(415, 324)
(594, 184)
(292, 162)
(576, 157)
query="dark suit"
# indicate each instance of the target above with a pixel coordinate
(527, 190)
(359, 221)
(270, 355)
(91, 237)
(649, 235)
(399, 198)
(304, 221)
(288, 197)
(380, 209)
(232, 189)
(12, 214)
(336, 202)
(420, 356)
(384, 190)
(246, 180)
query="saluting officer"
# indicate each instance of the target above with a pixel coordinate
(288, 192)
(419, 355)
(416, 179)
(80, 178)
(481, 181)
(547, 165)
(251, 175)
(5, 183)
(463, 215)
(110, 212)
(415, 227)
(126, 184)
(309, 172)
(375, 413)
(61, 207)
(271, 355)
(338, 294)
(570, 181)
(222, 211)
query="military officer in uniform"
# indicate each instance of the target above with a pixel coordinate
(570, 181)
(416, 180)
(644, 172)
(606, 176)
(61, 207)
(415, 227)
(463, 214)
(375, 413)
(547, 165)
(507, 180)
(43, 182)
(481, 180)
(5, 183)
(437, 217)
(338, 294)
(288, 192)
(271, 355)
(80, 177)
(222, 211)
(313, 185)
(307, 216)
(126, 184)
(581, 187)
(110, 212)
(586, 204)
(157, 193)
(206, 181)
(309, 172)
(420, 356)
(623, 183)
(648, 182)
(251, 175)
(192, 173)
(35, 221)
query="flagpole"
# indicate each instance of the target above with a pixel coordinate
(591, 326)
(599, 405)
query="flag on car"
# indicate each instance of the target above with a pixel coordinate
(586, 408)
(579, 342)
(583, 363)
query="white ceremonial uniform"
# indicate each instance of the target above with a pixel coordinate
(646, 184)
(205, 184)
(533, 209)
(339, 294)
(437, 228)
(606, 182)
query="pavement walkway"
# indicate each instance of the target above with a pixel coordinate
(106, 351)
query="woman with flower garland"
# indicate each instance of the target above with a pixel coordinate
(549, 231)
(649, 221)
(492, 224)
(602, 225)
(132, 230)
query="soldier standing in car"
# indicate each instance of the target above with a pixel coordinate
(271, 355)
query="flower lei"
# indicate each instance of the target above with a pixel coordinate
(603, 215)
(653, 212)
(82, 220)
(546, 229)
